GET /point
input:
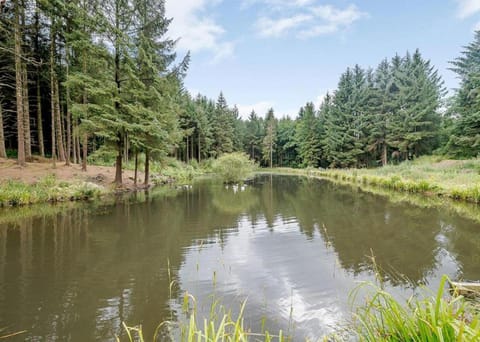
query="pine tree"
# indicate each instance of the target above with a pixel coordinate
(254, 135)
(415, 123)
(222, 127)
(465, 140)
(269, 141)
(342, 122)
(308, 135)
(286, 142)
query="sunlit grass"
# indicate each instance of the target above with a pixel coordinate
(48, 189)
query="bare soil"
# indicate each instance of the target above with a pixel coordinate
(33, 172)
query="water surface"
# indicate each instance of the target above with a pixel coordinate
(292, 247)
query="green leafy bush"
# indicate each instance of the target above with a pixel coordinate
(233, 167)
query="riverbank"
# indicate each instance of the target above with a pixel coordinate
(39, 182)
(454, 179)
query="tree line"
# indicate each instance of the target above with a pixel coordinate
(397, 111)
(80, 76)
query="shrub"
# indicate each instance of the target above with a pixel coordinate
(233, 167)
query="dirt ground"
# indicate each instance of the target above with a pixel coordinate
(102, 175)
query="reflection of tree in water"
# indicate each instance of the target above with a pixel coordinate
(402, 237)
(461, 237)
(234, 199)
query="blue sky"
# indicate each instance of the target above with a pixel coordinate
(281, 53)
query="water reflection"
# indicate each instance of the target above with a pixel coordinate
(293, 247)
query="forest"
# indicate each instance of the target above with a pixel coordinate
(85, 79)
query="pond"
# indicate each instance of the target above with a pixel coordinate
(291, 247)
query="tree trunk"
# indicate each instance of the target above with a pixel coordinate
(147, 167)
(199, 149)
(69, 106)
(52, 89)
(384, 154)
(74, 142)
(84, 152)
(3, 152)
(41, 145)
(118, 163)
(26, 115)
(19, 86)
(79, 158)
(58, 126)
(271, 153)
(191, 148)
(136, 168)
(118, 166)
(126, 148)
(186, 152)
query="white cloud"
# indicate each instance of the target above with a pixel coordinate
(305, 18)
(467, 8)
(261, 108)
(268, 27)
(197, 31)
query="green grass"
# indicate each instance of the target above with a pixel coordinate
(433, 317)
(455, 179)
(48, 189)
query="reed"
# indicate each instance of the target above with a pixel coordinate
(433, 317)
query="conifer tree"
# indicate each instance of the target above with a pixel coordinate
(269, 141)
(308, 135)
(465, 140)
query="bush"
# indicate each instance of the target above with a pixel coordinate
(233, 167)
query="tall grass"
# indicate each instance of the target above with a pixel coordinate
(215, 328)
(48, 189)
(429, 318)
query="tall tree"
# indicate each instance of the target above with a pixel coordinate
(307, 136)
(19, 90)
(269, 141)
(465, 140)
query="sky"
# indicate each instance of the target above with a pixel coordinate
(284, 53)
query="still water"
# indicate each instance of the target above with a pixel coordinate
(292, 247)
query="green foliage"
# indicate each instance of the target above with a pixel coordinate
(104, 156)
(233, 167)
(429, 318)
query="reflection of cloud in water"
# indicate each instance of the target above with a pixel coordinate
(275, 271)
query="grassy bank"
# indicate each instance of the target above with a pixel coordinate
(40, 183)
(47, 189)
(455, 179)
